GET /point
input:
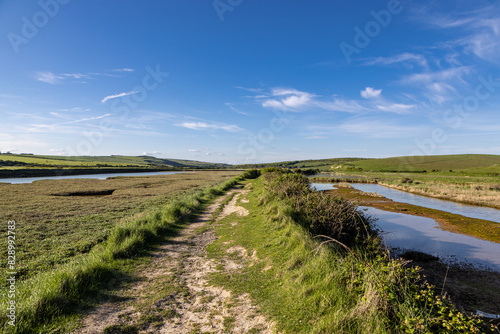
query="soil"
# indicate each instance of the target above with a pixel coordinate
(172, 294)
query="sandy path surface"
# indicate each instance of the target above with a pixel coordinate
(173, 294)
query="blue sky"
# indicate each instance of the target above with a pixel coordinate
(247, 81)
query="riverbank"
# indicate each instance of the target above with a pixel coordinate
(478, 228)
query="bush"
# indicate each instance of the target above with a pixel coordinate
(321, 213)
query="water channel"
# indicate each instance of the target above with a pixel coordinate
(404, 231)
(18, 180)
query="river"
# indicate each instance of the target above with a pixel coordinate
(18, 180)
(472, 211)
(405, 231)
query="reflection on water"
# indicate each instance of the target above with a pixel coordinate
(420, 233)
(472, 211)
(322, 186)
(88, 176)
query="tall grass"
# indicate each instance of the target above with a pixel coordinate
(45, 297)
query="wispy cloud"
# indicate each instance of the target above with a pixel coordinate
(398, 108)
(210, 126)
(405, 58)
(53, 78)
(76, 109)
(236, 110)
(123, 70)
(48, 77)
(109, 97)
(439, 86)
(480, 27)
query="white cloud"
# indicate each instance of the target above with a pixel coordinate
(370, 93)
(193, 150)
(288, 99)
(109, 97)
(212, 126)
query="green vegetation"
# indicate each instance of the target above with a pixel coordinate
(315, 285)
(48, 161)
(322, 164)
(64, 285)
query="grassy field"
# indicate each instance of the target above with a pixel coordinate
(57, 220)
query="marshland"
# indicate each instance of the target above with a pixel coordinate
(297, 255)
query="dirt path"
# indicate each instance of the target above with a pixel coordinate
(173, 295)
